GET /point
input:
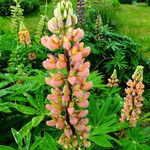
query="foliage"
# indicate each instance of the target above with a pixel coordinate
(29, 6)
(106, 8)
(115, 51)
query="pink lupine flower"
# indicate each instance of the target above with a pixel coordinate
(81, 128)
(72, 78)
(51, 123)
(83, 113)
(84, 121)
(84, 73)
(83, 103)
(61, 63)
(78, 93)
(133, 99)
(86, 51)
(49, 65)
(52, 43)
(60, 124)
(66, 43)
(86, 85)
(52, 25)
(55, 81)
(87, 144)
(52, 97)
(74, 121)
(69, 89)
(71, 111)
(77, 35)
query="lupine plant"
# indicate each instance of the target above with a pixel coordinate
(69, 96)
(133, 99)
(80, 9)
(113, 81)
(24, 35)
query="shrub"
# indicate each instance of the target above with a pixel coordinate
(29, 6)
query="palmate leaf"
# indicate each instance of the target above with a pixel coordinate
(96, 79)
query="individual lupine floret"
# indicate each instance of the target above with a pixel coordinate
(133, 100)
(63, 19)
(24, 35)
(113, 81)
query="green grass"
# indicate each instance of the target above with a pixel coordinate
(135, 22)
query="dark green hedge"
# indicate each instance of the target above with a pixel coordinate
(29, 6)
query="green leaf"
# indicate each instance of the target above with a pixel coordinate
(23, 109)
(48, 142)
(17, 136)
(101, 140)
(33, 123)
(3, 147)
(37, 142)
(27, 141)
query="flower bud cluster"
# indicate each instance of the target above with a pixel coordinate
(69, 93)
(113, 81)
(64, 17)
(24, 35)
(133, 99)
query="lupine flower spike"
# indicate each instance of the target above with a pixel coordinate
(98, 25)
(113, 81)
(69, 96)
(133, 100)
(80, 9)
(24, 35)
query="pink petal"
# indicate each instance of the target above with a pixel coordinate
(53, 97)
(83, 103)
(76, 58)
(78, 93)
(48, 65)
(73, 121)
(71, 111)
(84, 121)
(60, 65)
(84, 73)
(79, 35)
(86, 51)
(87, 86)
(72, 80)
(81, 128)
(52, 25)
(83, 113)
(51, 123)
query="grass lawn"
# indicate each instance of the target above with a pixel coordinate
(135, 22)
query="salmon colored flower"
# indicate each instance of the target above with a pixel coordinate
(133, 99)
(68, 99)
(52, 43)
(61, 63)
